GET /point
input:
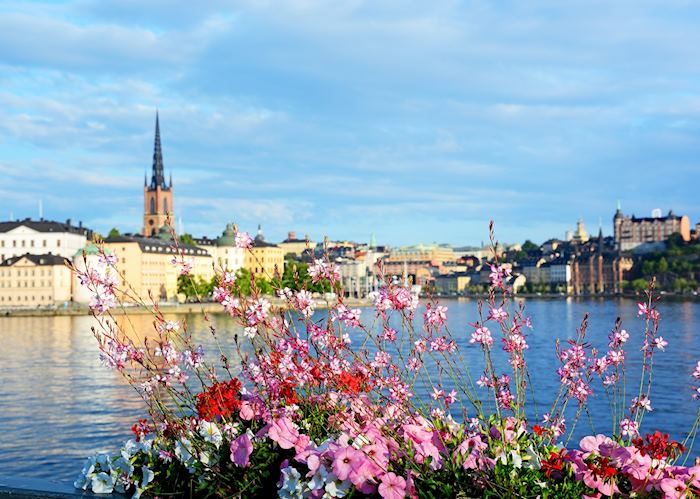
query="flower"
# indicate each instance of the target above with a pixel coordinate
(241, 449)
(629, 428)
(673, 488)
(392, 487)
(283, 431)
(211, 433)
(345, 461)
(102, 483)
(243, 240)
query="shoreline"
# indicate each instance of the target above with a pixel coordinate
(213, 307)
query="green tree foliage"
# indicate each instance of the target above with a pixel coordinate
(529, 246)
(186, 239)
(195, 286)
(114, 232)
(639, 285)
(662, 266)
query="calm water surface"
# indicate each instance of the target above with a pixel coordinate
(59, 405)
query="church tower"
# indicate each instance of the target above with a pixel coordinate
(157, 195)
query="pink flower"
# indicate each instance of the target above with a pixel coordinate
(243, 240)
(345, 461)
(283, 431)
(672, 488)
(392, 487)
(659, 342)
(482, 336)
(498, 314)
(600, 444)
(241, 449)
(629, 428)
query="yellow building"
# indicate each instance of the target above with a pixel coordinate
(296, 246)
(264, 259)
(146, 264)
(436, 254)
(31, 281)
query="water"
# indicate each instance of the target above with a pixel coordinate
(59, 405)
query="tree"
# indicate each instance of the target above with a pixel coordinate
(194, 286)
(662, 266)
(639, 285)
(186, 239)
(114, 233)
(529, 246)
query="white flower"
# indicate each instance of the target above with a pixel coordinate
(102, 483)
(336, 488)
(290, 486)
(211, 433)
(250, 332)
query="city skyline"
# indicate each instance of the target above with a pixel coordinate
(416, 124)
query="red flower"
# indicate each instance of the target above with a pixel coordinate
(658, 446)
(554, 465)
(140, 429)
(220, 400)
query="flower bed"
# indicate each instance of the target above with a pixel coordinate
(325, 405)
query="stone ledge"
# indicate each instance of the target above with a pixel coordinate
(33, 488)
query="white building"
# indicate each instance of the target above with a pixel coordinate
(30, 281)
(41, 237)
(223, 250)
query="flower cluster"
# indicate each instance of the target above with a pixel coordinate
(323, 405)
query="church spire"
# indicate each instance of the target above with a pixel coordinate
(158, 174)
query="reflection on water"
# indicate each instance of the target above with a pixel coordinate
(60, 405)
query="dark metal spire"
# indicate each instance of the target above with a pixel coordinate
(158, 175)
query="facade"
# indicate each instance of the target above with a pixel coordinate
(632, 232)
(33, 281)
(437, 254)
(157, 195)
(223, 250)
(297, 246)
(264, 259)
(453, 283)
(146, 263)
(598, 267)
(41, 237)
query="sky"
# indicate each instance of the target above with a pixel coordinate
(416, 121)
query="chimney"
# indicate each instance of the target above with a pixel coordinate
(291, 235)
(67, 221)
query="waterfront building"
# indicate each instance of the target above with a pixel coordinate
(157, 194)
(434, 253)
(264, 259)
(453, 283)
(223, 250)
(297, 246)
(632, 233)
(31, 281)
(599, 267)
(146, 263)
(41, 237)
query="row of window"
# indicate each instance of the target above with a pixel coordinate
(24, 272)
(23, 243)
(25, 298)
(25, 284)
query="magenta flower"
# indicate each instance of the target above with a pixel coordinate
(241, 449)
(392, 487)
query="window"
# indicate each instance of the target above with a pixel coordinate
(58, 243)
(14, 243)
(23, 241)
(153, 206)
(165, 205)
(31, 243)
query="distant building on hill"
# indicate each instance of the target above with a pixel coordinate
(41, 237)
(31, 281)
(632, 232)
(297, 246)
(598, 267)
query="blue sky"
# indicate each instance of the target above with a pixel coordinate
(418, 121)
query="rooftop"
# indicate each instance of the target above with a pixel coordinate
(47, 259)
(46, 226)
